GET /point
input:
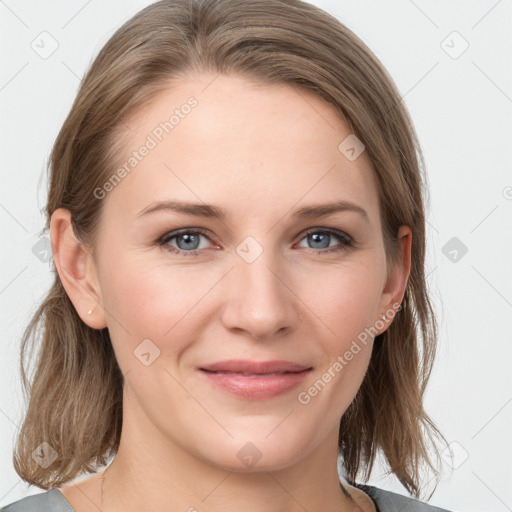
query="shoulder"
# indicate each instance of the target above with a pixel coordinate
(388, 501)
(48, 501)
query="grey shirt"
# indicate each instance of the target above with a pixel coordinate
(385, 501)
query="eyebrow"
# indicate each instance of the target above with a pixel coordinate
(216, 212)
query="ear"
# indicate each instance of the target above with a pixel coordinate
(77, 270)
(397, 278)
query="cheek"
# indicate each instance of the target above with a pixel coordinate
(149, 302)
(345, 299)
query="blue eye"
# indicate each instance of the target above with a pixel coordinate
(320, 238)
(188, 241)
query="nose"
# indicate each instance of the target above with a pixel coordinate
(258, 299)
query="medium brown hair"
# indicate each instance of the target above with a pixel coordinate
(75, 392)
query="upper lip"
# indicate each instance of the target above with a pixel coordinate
(255, 367)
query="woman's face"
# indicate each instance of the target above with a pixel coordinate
(267, 280)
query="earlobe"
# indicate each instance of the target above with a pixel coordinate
(75, 266)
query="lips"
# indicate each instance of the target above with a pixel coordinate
(247, 368)
(253, 380)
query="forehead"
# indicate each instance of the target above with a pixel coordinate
(225, 139)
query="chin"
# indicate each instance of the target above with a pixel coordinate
(254, 450)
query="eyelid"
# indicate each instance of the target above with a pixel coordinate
(337, 232)
(348, 241)
(175, 233)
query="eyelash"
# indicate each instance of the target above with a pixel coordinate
(347, 242)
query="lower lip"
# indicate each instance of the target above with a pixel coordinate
(256, 387)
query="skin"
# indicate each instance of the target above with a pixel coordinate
(261, 152)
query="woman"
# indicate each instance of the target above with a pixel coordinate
(237, 220)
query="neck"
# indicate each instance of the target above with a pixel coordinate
(193, 485)
(268, 492)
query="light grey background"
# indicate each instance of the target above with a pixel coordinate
(461, 106)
